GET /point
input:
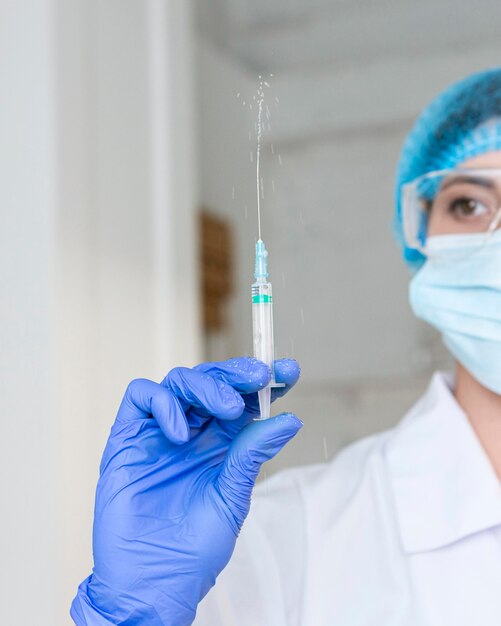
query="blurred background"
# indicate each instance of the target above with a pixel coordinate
(128, 223)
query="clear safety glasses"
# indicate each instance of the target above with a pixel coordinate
(451, 202)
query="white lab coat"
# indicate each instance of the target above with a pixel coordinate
(402, 528)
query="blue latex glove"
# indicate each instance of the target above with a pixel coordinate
(174, 490)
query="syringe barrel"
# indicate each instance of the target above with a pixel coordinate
(262, 323)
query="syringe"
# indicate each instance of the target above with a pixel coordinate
(262, 325)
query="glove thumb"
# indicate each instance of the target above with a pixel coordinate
(258, 442)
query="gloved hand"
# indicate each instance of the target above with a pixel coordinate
(174, 490)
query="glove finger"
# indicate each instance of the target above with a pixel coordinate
(211, 397)
(256, 443)
(144, 399)
(286, 371)
(244, 374)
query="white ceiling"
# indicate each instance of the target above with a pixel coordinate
(271, 35)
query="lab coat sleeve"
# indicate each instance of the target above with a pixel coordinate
(262, 584)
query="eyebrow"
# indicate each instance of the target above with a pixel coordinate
(472, 180)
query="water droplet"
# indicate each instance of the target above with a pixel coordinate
(272, 149)
(238, 95)
(301, 218)
(251, 157)
(280, 159)
(273, 184)
(326, 455)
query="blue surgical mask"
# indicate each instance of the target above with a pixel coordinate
(458, 291)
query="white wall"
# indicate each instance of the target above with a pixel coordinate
(27, 330)
(99, 266)
(227, 181)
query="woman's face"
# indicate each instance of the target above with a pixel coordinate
(467, 204)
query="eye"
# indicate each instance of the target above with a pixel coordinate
(467, 207)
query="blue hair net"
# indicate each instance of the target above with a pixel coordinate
(462, 122)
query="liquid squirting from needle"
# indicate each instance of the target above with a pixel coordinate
(262, 296)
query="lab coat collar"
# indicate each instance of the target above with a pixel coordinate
(444, 485)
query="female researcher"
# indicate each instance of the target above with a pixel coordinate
(402, 528)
